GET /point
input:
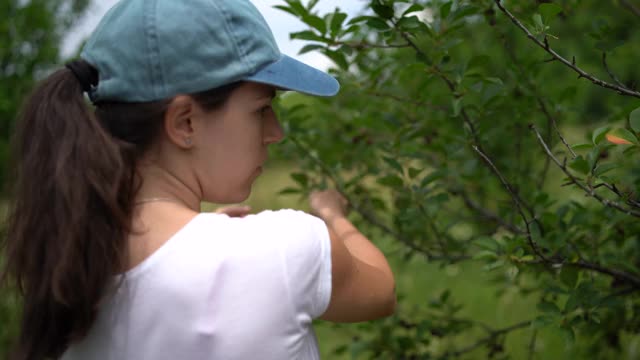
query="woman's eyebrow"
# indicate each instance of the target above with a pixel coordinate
(271, 94)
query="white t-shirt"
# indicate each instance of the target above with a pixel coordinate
(221, 288)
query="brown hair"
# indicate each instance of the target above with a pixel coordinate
(74, 183)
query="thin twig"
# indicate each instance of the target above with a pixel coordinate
(611, 74)
(619, 275)
(571, 64)
(516, 201)
(552, 119)
(532, 343)
(574, 180)
(485, 213)
(634, 9)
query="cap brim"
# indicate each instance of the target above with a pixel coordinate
(291, 74)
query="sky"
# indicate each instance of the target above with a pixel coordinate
(281, 24)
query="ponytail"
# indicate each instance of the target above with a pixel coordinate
(69, 215)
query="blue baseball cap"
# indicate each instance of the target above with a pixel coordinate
(147, 50)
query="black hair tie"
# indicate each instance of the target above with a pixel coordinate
(85, 73)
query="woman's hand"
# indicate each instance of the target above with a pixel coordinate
(328, 203)
(234, 210)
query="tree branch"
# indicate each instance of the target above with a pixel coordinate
(611, 74)
(589, 191)
(516, 201)
(634, 9)
(486, 340)
(370, 218)
(571, 64)
(485, 213)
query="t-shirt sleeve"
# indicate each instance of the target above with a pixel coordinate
(306, 254)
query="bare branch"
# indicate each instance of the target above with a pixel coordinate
(516, 201)
(634, 9)
(619, 275)
(554, 123)
(589, 191)
(611, 74)
(486, 213)
(532, 343)
(571, 64)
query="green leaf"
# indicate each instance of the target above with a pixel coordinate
(390, 180)
(604, 168)
(485, 255)
(625, 134)
(549, 11)
(384, 11)
(464, 11)
(309, 48)
(569, 336)
(336, 22)
(599, 133)
(316, 22)
(394, 164)
(301, 179)
(477, 64)
(548, 307)
(580, 165)
(541, 322)
(432, 177)
(634, 120)
(312, 4)
(289, 191)
(445, 9)
(569, 276)
(307, 35)
(609, 45)
(413, 172)
(583, 146)
(378, 24)
(413, 8)
(338, 58)
(297, 6)
(457, 106)
(410, 23)
(571, 304)
(360, 19)
(537, 20)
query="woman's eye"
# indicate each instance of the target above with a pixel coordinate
(263, 110)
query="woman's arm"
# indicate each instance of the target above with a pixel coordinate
(363, 286)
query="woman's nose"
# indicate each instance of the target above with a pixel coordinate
(273, 132)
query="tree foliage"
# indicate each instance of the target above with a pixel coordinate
(31, 32)
(500, 134)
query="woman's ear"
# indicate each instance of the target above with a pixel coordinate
(178, 123)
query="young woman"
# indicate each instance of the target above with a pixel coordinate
(106, 240)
